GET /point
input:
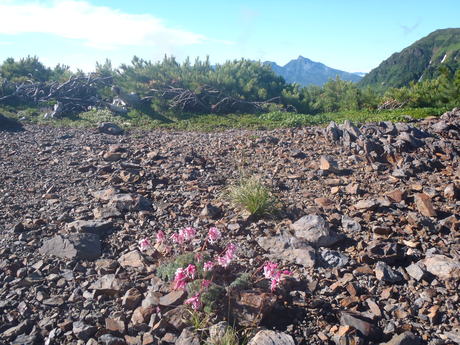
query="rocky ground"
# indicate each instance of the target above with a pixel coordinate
(368, 224)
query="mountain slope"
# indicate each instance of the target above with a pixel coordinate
(307, 72)
(421, 60)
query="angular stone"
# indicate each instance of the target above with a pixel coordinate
(396, 195)
(142, 315)
(451, 191)
(251, 306)
(188, 337)
(211, 211)
(115, 325)
(424, 205)
(130, 202)
(327, 163)
(132, 259)
(349, 224)
(268, 337)
(316, 231)
(97, 227)
(333, 258)
(83, 331)
(175, 297)
(132, 298)
(415, 271)
(443, 267)
(289, 248)
(386, 273)
(107, 284)
(361, 323)
(217, 332)
(54, 301)
(106, 212)
(74, 246)
(406, 338)
(370, 204)
(109, 339)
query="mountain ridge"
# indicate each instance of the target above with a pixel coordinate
(419, 61)
(306, 72)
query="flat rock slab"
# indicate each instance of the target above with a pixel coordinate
(97, 227)
(74, 246)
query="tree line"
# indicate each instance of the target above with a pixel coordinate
(242, 80)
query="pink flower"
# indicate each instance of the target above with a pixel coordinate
(144, 244)
(160, 237)
(194, 301)
(275, 282)
(276, 275)
(269, 269)
(188, 233)
(205, 283)
(213, 235)
(228, 256)
(190, 271)
(178, 238)
(224, 261)
(180, 279)
(208, 265)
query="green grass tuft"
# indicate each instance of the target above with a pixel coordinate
(253, 196)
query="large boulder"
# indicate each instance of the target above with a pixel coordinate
(85, 246)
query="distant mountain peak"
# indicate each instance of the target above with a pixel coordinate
(306, 72)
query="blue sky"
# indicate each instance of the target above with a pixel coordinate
(350, 35)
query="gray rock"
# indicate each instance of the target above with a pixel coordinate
(442, 267)
(97, 227)
(109, 339)
(267, 337)
(24, 339)
(108, 284)
(289, 248)
(361, 323)
(316, 231)
(83, 331)
(109, 128)
(217, 332)
(406, 338)
(74, 246)
(386, 273)
(349, 224)
(188, 337)
(333, 258)
(415, 271)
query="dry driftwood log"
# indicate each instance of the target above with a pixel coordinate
(75, 95)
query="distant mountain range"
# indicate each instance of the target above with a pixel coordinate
(419, 61)
(306, 72)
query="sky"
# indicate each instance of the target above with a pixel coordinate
(350, 35)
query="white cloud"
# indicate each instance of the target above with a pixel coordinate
(97, 26)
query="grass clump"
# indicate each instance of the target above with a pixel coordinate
(253, 196)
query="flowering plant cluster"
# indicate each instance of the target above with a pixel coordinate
(272, 272)
(190, 273)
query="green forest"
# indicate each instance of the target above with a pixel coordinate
(169, 91)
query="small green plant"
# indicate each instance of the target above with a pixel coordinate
(253, 196)
(167, 270)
